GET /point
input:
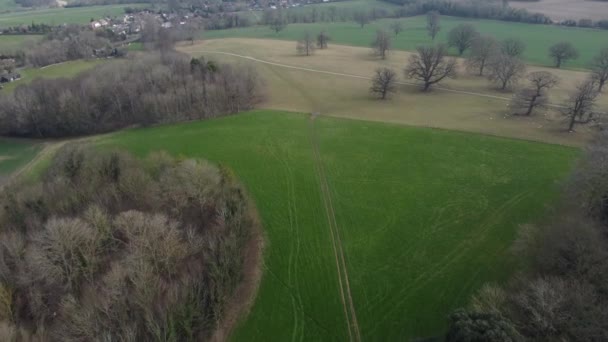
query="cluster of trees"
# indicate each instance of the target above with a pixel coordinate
(560, 292)
(156, 88)
(500, 62)
(309, 43)
(66, 43)
(109, 247)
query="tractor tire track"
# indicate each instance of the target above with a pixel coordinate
(343, 279)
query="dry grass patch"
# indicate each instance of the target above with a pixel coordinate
(485, 111)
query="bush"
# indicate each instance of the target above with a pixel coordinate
(106, 247)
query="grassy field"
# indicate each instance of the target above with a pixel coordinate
(339, 95)
(58, 16)
(14, 154)
(9, 44)
(538, 38)
(424, 216)
(66, 69)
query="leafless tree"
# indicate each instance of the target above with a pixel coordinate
(383, 82)
(278, 21)
(433, 26)
(322, 39)
(306, 45)
(397, 27)
(599, 67)
(430, 65)
(506, 70)
(562, 52)
(483, 50)
(382, 44)
(513, 47)
(579, 108)
(462, 37)
(534, 96)
(361, 18)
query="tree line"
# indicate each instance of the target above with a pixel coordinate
(155, 88)
(560, 292)
(106, 246)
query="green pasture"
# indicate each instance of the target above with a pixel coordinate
(425, 216)
(538, 38)
(14, 154)
(13, 43)
(61, 70)
(58, 16)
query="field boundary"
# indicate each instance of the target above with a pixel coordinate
(343, 280)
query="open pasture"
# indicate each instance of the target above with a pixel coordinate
(566, 9)
(373, 230)
(12, 43)
(61, 70)
(58, 16)
(538, 38)
(335, 93)
(15, 154)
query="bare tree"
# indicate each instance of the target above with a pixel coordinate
(462, 37)
(322, 39)
(483, 50)
(599, 67)
(397, 27)
(506, 70)
(433, 27)
(383, 82)
(278, 22)
(562, 52)
(430, 65)
(513, 47)
(534, 96)
(382, 44)
(579, 109)
(306, 45)
(361, 18)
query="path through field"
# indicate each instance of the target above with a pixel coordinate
(345, 292)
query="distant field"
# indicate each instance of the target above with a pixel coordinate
(11, 43)
(424, 216)
(6, 5)
(67, 69)
(566, 9)
(343, 96)
(57, 16)
(538, 38)
(14, 154)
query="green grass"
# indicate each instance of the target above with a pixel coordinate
(7, 5)
(426, 216)
(66, 69)
(538, 38)
(58, 16)
(14, 154)
(12, 43)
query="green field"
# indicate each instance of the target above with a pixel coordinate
(58, 16)
(14, 154)
(66, 69)
(424, 216)
(12, 43)
(538, 38)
